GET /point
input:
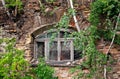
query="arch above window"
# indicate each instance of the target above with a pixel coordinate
(58, 33)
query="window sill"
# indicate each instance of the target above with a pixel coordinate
(60, 63)
(64, 63)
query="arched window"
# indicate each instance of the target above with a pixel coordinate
(55, 46)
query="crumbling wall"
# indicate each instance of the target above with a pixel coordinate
(31, 20)
(115, 53)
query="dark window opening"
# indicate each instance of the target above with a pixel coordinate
(77, 54)
(40, 49)
(65, 50)
(53, 55)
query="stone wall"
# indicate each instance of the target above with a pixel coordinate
(64, 73)
(31, 22)
(115, 53)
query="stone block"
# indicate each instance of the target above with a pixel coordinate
(115, 76)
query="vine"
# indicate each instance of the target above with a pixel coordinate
(85, 41)
(103, 18)
(14, 66)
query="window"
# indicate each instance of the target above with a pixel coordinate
(59, 50)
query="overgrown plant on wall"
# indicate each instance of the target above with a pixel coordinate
(85, 41)
(14, 66)
(12, 63)
(103, 18)
(43, 71)
(104, 15)
(46, 7)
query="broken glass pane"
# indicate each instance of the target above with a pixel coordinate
(41, 36)
(64, 34)
(52, 34)
(53, 55)
(40, 50)
(77, 54)
(65, 50)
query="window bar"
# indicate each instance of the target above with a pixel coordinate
(59, 49)
(72, 51)
(46, 50)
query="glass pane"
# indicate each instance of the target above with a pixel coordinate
(64, 34)
(52, 34)
(53, 51)
(65, 50)
(40, 50)
(42, 36)
(77, 54)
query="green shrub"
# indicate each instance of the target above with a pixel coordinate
(14, 66)
(12, 63)
(43, 71)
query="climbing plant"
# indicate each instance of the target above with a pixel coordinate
(13, 64)
(43, 71)
(103, 18)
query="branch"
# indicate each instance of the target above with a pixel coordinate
(75, 19)
(116, 26)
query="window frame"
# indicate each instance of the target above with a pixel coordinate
(47, 49)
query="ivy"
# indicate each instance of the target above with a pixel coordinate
(104, 16)
(103, 20)
(104, 9)
(94, 60)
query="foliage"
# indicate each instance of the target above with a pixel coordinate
(102, 25)
(46, 7)
(12, 4)
(43, 71)
(103, 20)
(105, 9)
(14, 66)
(65, 19)
(94, 60)
(104, 16)
(12, 63)
(63, 23)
